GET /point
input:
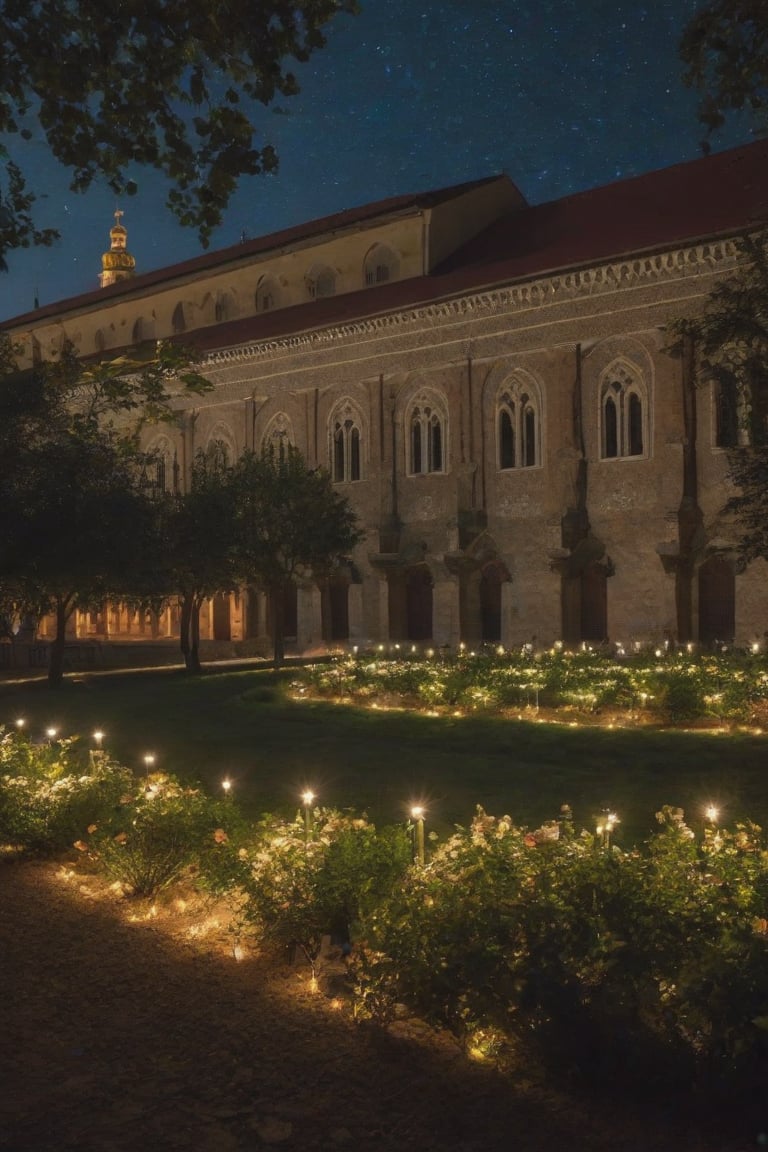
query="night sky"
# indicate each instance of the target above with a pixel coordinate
(562, 95)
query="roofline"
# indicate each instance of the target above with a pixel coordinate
(360, 218)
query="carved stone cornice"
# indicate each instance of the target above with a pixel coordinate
(631, 272)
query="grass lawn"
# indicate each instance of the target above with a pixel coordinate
(238, 724)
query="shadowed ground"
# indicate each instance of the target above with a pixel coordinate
(122, 1036)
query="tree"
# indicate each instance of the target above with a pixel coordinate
(165, 84)
(75, 523)
(73, 518)
(731, 341)
(290, 524)
(195, 558)
(725, 50)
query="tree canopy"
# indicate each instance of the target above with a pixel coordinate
(731, 340)
(75, 521)
(724, 48)
(290, 523)
(165, 84)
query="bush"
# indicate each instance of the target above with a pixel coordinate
(649, 962)
(48, 799)
(301, 886)
(158, 833)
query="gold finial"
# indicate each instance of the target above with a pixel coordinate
(117, 264)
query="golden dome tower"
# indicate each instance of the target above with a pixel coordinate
(117, 264)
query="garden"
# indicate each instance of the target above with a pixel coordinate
(560, 931)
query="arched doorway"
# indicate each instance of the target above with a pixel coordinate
(334, 607)
(418, 603)
(717, 600)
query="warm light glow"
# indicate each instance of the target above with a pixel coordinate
(307, 798)
(712, 814)
(98, 737)
(20, 723)
(226, 785)
(149, 760)
(51, 733)
(417, 812)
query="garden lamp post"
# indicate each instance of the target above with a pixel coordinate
(307, 799)
(417, 815)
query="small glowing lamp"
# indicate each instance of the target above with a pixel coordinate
(712, 814)
(98, 736)
(51, 733)
(226, 785)
(20, 723)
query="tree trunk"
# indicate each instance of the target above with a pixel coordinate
(189, 630)
(194, 664)
(277, 597)
(56, 651)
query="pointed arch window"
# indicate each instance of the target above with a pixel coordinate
(279, 434)
(427, 426)
(345, 429)
(518, 425)
(623, 413)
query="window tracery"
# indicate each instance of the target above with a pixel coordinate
(427, 426)
(278, 434)
(345, 428)
(623, 413)
(518, 425)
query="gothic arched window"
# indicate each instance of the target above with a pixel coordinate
(346, 443)
(518, 425)
(427, 425)
(279, 434)
(623, 413)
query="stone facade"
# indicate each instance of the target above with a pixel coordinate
(530, 459)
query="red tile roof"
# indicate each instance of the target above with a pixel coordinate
(720, 195)
(241, 253)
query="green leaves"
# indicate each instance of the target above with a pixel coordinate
(111, 93)
(725, 50)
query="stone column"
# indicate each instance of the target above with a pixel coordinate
(445, 612)
(309, 617)
(355, 610)
(508, 638)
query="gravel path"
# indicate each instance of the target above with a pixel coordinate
(122, 1034)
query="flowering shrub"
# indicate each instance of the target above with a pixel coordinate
(48, 798)
(599, 958)
(675, 687)
(158, 832)
(318, 875)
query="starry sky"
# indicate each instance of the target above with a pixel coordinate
(562, 95)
